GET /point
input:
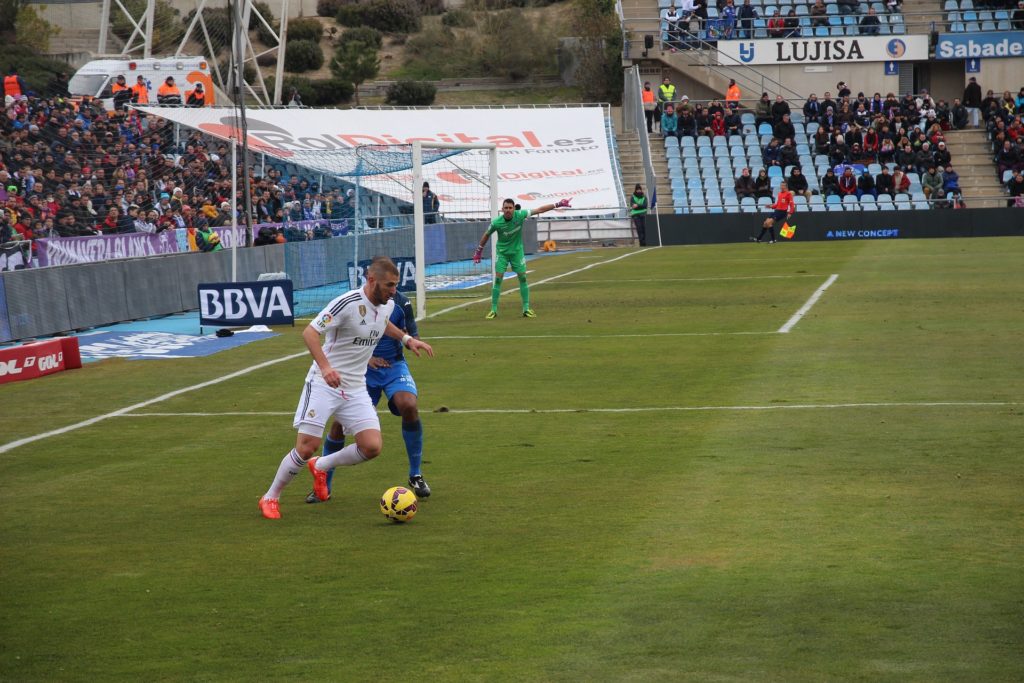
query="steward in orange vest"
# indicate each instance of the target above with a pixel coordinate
(141, 91)
(168, 92)
(13, 85)
(197, 97)
(121, 92)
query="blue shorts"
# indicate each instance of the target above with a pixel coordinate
(390, 381)
(779, 214)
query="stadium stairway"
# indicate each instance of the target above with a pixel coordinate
(921, 13)
(972, 159)
(631, 163)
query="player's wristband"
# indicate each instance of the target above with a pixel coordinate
(405, 340)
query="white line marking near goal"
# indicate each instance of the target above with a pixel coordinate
(118, 413)
(596, 336)
(807, 306)
(651, 409)
(691, 279)
(539, 282)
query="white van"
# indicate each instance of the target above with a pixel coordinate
(95, 78)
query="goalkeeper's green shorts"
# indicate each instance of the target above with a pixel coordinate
(515, 260)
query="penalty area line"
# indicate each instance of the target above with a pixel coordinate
(808, 304)
(124, 411)
(649, 409)
(539, 282)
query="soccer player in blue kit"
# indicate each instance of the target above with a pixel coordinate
(388, 373)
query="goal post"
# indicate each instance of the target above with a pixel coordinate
(373, 204)
(493, 206)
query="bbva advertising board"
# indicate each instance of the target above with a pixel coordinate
(819, 50)
(246, 303)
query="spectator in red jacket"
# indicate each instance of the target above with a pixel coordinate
(847, 183)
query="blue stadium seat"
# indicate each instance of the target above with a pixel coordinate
(774, 172)
(765, 139)
(970, 15)
(869, 207)
(735, 140)
(803, 149)
(985, 15)
(874, 169)
(775, 182)
(694, 184)
(1002, 15)
(921, 206)
(746, 118)
(833, 199)
(687, 142)
(988, 26)
(672, 152)
(868, 199)
(950, 6)
(850, 199)
(1003, 25)
(836, 31)
(821, 31)
(764, 202)
(831, 8)
(703, 141)
(835, 21)
(885, 204)
(812, 128)
(705, 152)
(689, 152)
(764, 129)
(818, 207)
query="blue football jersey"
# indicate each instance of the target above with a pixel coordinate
(404, 317)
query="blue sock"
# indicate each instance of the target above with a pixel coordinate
(412, 434)
(332, 446)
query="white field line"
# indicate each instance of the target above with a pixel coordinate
(596, 336)
(691, 279)
(123, 411)
(651, 409)
(539, 282)
(807, 306)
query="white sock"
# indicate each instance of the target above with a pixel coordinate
(347, 456)
(291, 465)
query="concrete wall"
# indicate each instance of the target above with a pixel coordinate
(819, 78)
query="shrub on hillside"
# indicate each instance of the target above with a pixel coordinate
(303, 55)
(459, 18)
(370, 37)
(410, 94)
(305, 29)
(218, 25)
(328, 8)
(36, 70)
(167, 30)
(265, 36)
(387, 16)
(315, 93)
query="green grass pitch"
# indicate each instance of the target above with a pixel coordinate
(645, 483)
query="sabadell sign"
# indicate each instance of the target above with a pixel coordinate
(972, 45)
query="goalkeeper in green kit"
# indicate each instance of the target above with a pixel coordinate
(509, 226)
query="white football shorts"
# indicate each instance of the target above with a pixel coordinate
(351, 407)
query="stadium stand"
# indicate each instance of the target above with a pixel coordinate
(69, 169)
(906, 135)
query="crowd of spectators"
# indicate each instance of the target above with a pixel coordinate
(735, 19)
(71, 168)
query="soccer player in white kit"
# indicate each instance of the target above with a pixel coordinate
(336, 383)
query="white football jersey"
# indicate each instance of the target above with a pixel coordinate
(352, 326)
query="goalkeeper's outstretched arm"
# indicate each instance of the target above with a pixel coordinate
(560, 204)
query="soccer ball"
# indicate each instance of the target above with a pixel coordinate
(398, 504)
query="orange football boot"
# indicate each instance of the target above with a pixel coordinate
(320, 489)
(269, 508)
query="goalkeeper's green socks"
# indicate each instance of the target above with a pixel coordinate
(524, 292)
(495, 294)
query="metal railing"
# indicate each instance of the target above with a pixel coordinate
(634, 120)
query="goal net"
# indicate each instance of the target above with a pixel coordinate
(424, 204)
